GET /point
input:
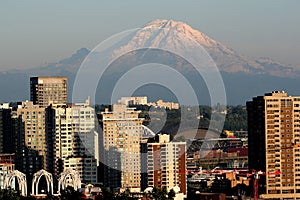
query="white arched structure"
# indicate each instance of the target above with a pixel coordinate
(36, 179)
(147, 132)
(62, 181)
(21, 181)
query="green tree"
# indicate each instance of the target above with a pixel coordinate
(126, 195)
(159, 194)
(9, 194)
(171, 194)
(70, 194)
(106, 193)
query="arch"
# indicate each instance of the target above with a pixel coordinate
(21, 181)
(63, 178)
(36, 179)
(147, 132)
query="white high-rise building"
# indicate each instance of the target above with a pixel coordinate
(76, 140)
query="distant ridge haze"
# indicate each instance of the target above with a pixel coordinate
(244, 77)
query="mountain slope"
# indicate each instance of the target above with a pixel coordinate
(243, 77)
(178, 35)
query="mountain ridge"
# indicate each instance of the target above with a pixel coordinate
(243, 77)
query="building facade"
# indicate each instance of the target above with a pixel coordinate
(44, 90)
(86, 166)
(274, 135)
(31, 138)
(75, 140)
(7, 165)
(166, 105)
(129, 101)
(166, 164)
(122, 131)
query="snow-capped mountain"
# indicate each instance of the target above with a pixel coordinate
(179, 35)
(243, 77)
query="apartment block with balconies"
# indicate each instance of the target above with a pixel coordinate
(274, 136)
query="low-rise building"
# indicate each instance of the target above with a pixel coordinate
(6, 166)
(167, 105)
(129, 101)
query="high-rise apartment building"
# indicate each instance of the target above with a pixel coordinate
(31, 137)
(273, 137)
(122, 131)
(75, 143)
(167, 164)
(44, 90)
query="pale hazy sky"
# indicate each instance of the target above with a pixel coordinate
(35, 32)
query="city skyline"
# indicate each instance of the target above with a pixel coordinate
(48, 136)
(57, 140)
(150, 100)
(61, 141)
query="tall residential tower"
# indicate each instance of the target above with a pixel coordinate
(75, 143)
(274, 135)
(122, 131)
(32, 143)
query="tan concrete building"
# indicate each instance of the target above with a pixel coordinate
(45, 89)
(133, 101)
(166, 164)
(31, 150)
(274, 135)
(167, 105)
(122, 131)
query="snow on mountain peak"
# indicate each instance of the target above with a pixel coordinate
(180, 36)
(171, 34)
(183, 28)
